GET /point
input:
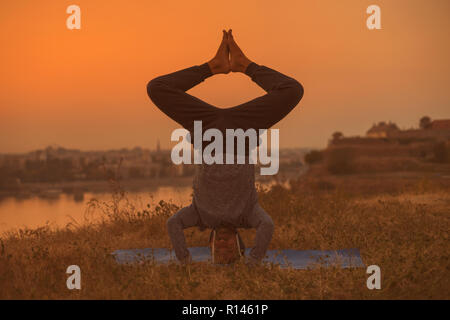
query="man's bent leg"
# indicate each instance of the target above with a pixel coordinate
(283, 94)
(168, 93)
(185, 218)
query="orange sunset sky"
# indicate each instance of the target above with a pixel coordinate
(86, 88)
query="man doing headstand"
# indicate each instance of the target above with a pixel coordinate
(224, 195)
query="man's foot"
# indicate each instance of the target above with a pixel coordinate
(221, 63)
(238, 61)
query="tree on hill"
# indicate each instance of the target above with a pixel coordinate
(425, 122)
(337, 135)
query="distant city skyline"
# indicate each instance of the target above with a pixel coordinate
(154, 149)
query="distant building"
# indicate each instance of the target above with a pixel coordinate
(440, 124)
(382, 130)
(437, 130)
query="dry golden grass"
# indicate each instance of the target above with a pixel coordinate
(405, 233)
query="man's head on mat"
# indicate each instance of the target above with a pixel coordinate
(226, 245)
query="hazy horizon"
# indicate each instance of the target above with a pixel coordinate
(119, 148)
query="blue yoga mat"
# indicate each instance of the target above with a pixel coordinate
(296, 259)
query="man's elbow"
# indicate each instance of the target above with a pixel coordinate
(295, 92)
(154, 87)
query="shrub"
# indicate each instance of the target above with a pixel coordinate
(325, 185)
(440, 152)
(340, 161)
(314, 156)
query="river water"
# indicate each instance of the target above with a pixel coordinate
(62, 209)
(36, 211)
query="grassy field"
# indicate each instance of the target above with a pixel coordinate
(399, 223)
